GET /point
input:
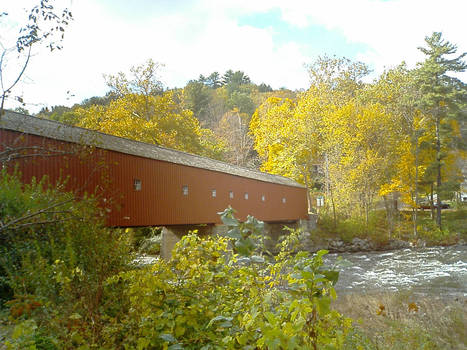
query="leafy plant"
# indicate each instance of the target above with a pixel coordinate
(28, 336)
(220, 293)
(55, 258)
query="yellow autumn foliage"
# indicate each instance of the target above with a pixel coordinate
(153, 119)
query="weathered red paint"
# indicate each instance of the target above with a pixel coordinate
(161, 200)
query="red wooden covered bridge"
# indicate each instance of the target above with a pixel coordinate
(143, 184)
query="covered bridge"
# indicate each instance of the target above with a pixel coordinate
(143, 184)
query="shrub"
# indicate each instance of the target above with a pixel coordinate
(27, 335)
(214, 294)
(55, 255)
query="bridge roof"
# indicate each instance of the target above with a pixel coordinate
(63, 132)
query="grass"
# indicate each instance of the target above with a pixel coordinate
(402, 321)
(454, 223)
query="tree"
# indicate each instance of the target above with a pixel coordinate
(233, 80)
(359, 141)
(214, 80)
(264, 88)
(338, 74)
(144, 81)
(443, 98)
(168, 124)
(241, 101)
(235, 132)
(396, 91)
(292, 136)
(285, 140)
(197, 97)
(330, 139)
(46, 26)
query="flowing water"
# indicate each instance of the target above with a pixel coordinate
(439, 271)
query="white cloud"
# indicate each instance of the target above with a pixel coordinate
(189, 44)
(200, 37)
(392, 29)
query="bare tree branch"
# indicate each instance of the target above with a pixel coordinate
(15, 153)
(46, 222)
(45, 210)
(6, 92)
(1, 67)
(45, 26)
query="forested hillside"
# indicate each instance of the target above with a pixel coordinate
(210, 116)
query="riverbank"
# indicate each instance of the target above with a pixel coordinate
(338, 245)
(353, 235)
(404, 321)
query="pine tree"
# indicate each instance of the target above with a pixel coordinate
(443, 97)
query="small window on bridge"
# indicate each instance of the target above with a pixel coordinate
(213, 193)
(185, 190)
(231, 195)
(263, 198)
(137, 184)
(284, 200)
(246, 195)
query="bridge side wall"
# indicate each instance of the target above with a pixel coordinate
(138, 191)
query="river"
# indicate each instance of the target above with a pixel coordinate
(438, 271)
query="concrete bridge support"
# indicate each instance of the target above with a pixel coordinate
(171, 235)
(273, 230)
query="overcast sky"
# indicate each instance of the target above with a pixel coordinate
(270, 40)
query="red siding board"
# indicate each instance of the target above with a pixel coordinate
(160, 201)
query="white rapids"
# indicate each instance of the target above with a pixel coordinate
(438, 271)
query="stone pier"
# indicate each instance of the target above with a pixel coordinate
(273, 230)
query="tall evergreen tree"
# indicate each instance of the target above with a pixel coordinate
(443, 97)
(214, 80)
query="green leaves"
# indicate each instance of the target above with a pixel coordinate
(221, 321)
(244, 234)
(321, 253)
(228, 218)
(168, 338)
(331, 276)
(213, 295)
(210, 295)
(244, 246)
(442, 98)
(60, 262)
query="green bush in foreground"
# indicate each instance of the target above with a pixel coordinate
(216, 295)
(55, 256)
